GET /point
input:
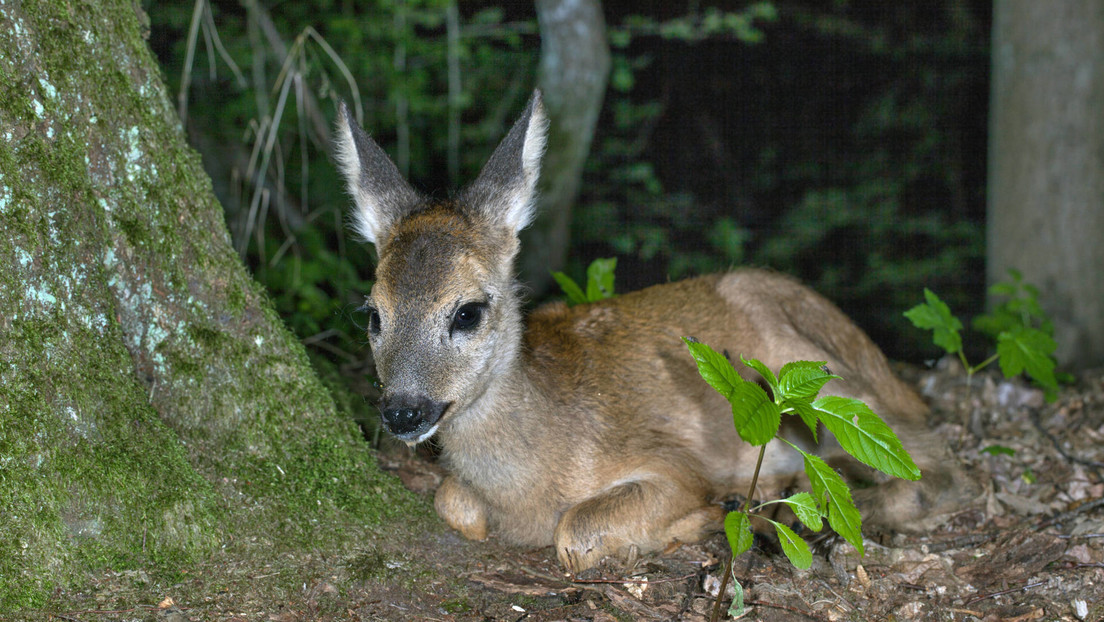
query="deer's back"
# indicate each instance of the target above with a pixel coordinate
(619, 368)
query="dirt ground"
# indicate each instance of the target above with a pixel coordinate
(1032, 548)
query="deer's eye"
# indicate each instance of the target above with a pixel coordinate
(467, 317)
(373, 321)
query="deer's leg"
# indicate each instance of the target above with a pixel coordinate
(645, 513)
(901, 505)
(461, 508)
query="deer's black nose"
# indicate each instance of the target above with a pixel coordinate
(410, 416)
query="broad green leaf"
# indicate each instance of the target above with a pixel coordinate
(865, 436)
(804, 409)
(714, 368)
(755, 416)
(792, 365)
(805, 507)
(738, 530)
(831, 492)
(793, 546)
(936, 316)
(600, 278)
(998, 450)
(764, 371)
(803, 379)
(1030, 350)
(575, 295)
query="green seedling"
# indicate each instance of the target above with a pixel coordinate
(999, 450)
(758, 416)
(599, 283)
(1023, 332)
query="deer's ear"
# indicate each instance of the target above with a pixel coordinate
(505, 190)
(380, 194)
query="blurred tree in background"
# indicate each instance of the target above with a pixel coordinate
(842, 142)
(1046, 172)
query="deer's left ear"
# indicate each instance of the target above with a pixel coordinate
(505, 190)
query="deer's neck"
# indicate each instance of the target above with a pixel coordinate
(487, 439)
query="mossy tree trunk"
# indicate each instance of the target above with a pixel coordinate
(152, 405)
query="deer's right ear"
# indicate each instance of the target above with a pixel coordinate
(379, 192)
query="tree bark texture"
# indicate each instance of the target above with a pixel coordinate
(152, 405)
(574, 70)
(1046, 163)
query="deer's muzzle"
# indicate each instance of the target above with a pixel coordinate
(411, 418)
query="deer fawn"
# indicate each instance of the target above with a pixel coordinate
(589, 427)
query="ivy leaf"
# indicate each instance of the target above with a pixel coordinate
(1030, 350)
(714, 367)
(764, 371)
(936, 316)
(831, 492)
(755, 416)
(806, 510)
(575, 295)
(738, 530)
(803, 379)
(793, 546)
(865, 436)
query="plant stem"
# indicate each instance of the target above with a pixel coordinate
(728, 567)
(973, 369)
(720, 594)
(755, 478)
(982, 364)
(962, 357)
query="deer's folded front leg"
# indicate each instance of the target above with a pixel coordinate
(461, 508)
(644, 513)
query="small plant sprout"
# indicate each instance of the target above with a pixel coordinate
(758, 416)
(1023, 332)
(599, 283)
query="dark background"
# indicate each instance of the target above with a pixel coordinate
(842, 142)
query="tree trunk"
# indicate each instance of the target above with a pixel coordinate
(1046, 163)
(574, 69)
(152, 405)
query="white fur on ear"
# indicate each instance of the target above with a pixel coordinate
(380, 194)
(536, 139)
(365, 220)
(505, 191)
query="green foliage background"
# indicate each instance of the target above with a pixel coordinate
(841, 143)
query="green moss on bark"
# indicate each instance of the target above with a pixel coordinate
(152, 405)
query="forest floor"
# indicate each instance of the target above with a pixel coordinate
(1031, 548)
